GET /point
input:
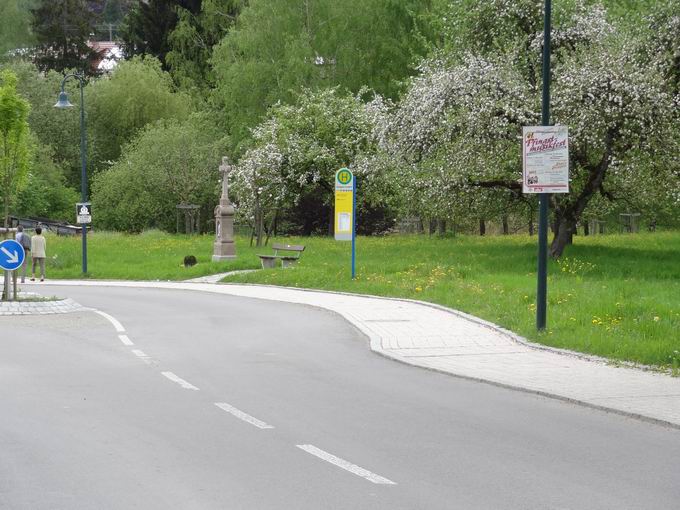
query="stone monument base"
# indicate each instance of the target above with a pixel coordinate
(223, 251)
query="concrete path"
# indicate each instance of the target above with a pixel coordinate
(444, 340)
(215, 278)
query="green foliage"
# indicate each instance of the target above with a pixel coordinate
(148, 25)
(631, 10)
(14, 140)
(15, 21)
(277, 48)
(59, 129)
(171, 162)
(192, 40)
(62, 28)
(45, 194)
(114, 10)
(137, 93)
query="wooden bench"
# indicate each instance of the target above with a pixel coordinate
(269, 261)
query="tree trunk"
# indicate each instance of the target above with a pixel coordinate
(421, 226)
(586, 228)
(271, 228)
(531, 225)
(432, 227)
(6, 213)
(441, 227)
(506, 226)
(563, 236)
(260, 228)
(482, 227)
(331, 218)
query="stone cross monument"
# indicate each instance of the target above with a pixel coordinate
(224, 248)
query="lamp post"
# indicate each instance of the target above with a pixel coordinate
(544, 198)
(63, 103)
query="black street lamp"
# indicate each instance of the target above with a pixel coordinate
(63, 102)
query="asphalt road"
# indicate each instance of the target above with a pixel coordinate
(88, 421)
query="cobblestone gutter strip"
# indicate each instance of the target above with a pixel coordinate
(39, 307)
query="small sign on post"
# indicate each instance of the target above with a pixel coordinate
(12, 256)
(545, 156)
(345, 210)
(84, 213)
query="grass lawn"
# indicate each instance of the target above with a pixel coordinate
(152, 255)
(616, 296)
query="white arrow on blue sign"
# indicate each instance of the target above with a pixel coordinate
(12, 255)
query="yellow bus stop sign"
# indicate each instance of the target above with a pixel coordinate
(344, 204)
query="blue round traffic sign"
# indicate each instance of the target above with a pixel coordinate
(12, 255)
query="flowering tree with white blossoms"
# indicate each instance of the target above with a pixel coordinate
(290, 165)
(258, 182)
(462, 117)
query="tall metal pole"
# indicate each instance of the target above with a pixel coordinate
(65, 103)
(83, 164)
(544, 198)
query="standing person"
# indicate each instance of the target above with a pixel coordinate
(25, 241)
(38, 245)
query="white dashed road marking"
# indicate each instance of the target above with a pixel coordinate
(347, 466)
(311, 449)
(243, 416)
(180, 381)
(125, 340)
(141, 355)
(119, 327)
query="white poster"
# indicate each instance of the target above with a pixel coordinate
(545, 154)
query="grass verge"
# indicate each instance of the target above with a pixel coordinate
(152, 255)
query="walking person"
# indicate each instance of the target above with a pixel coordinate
(38, 245)
(25, 241)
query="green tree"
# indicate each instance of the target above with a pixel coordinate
(191, 41)
(137, 93)
(277, 48)
(58, 129)
(171, 162)
(62, 29)
(115, 10)
(45, 194)
(14, 140)
(15, 26)
(148, 25)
